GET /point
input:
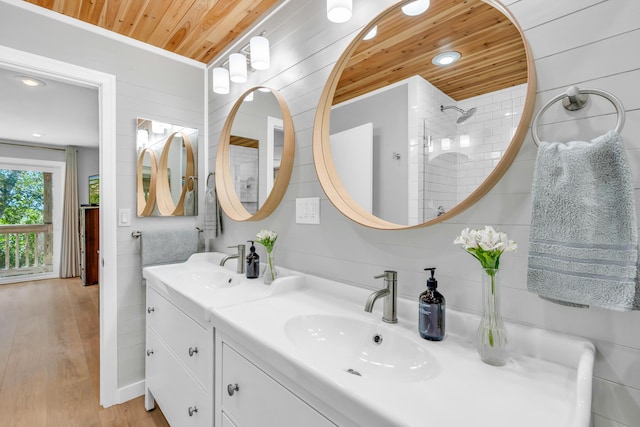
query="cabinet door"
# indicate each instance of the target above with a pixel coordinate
(226, 422)
(192, 343)
(182, 400)
(258, 400)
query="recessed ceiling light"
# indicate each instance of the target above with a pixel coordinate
(30, 81)
(371, 34)
(339, 11)
(446, 58)
(37, 135)
(416, 7)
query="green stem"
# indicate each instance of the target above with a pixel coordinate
(270, 265)
(492, 305)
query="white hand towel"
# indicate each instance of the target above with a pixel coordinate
(583, 247)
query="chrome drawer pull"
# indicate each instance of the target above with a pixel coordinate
(150, 310)
(232, 388)
(149, 352)
(192, 410)
(192, 351)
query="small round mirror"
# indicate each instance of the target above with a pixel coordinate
(175, 172)
(255, 155)
(146, 188)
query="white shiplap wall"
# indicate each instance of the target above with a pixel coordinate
(591, 43)
(148, 85)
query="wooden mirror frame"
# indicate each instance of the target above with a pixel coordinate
(145, 207)
(166, 205)
(327, 174)
(229, 200)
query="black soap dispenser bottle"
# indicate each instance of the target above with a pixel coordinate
(253, 263)
(431, 314)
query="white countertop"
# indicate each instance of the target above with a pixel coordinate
(547, 381)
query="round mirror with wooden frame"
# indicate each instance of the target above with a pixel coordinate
(494, 58)
(146, 188)
(167, 206)
(229, 186)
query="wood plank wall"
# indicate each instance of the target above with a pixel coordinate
(591, 43)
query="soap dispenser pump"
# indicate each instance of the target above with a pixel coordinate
(431, 315)
(253, 263)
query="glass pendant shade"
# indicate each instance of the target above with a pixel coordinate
(415, 7)
(220, 80)
(237, 68)
(339, 11)
(259, 48)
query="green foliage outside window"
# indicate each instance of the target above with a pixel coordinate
(21, 202)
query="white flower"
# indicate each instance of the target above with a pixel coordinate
(267, 235)
(267, 238)
(486, 245)
(467, 239)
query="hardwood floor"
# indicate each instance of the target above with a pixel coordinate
(49, 359)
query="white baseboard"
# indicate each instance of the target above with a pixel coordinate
(131, 391)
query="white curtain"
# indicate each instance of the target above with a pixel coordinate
(70, 254)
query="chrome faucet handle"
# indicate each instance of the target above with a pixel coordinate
(239, 256)
(388, 276)
(389, 309)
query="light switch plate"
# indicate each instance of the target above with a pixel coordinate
(124, 218)
(308, 210)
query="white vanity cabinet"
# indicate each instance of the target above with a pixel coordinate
(179, 360)
(252, 398)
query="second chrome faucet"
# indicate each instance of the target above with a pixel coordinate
(390, 295)
(239, 256)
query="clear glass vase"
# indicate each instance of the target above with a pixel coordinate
(491, 337)
(270, 274)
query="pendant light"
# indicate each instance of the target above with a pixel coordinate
(339, 11)
(220, 80)
(259, 51)
(237, 68)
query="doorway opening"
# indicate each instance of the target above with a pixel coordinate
(30, 219)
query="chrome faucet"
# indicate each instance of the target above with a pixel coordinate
(239, 256)
(390, 294)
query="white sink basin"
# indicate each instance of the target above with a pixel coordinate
(317, 340)
(207, 278)
(360, 348)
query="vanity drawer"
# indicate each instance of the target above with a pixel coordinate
(191, 343)
(260, 400)
(182, 400)
(226, 422)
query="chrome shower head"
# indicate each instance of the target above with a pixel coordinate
(465, 114)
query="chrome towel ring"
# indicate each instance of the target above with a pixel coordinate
(575, 99)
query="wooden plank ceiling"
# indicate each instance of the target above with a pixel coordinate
(196, 29)
(492, 49)
(493, 55)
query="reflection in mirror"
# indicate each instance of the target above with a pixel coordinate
(169, 149)
(427, 140)
(257, 137)
(147, 173)
(255, 155)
